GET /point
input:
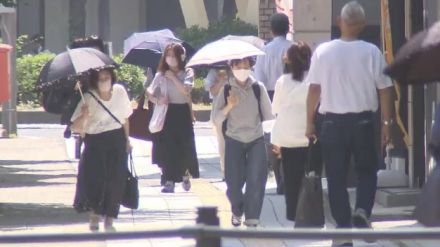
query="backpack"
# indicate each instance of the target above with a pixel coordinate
(257, 92)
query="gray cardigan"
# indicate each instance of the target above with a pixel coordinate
(244, 123)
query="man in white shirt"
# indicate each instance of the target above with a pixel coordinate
(268, 70)
(345, 76)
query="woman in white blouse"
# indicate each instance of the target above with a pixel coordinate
(103, 167)
(289, 106)
(175, 143)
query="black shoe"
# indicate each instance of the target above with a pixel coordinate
(360, 219)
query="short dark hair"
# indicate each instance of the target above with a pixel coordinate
(298, 56)
(91, 41)
(279, 23)
(180, 54)
(236, 61)
(94, 77)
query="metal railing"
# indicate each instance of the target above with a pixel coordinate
(207, 233)
(202, 233)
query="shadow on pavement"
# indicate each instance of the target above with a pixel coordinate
(26, 176)
(19, 215)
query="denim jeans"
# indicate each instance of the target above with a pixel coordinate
(343, 135)
(246, 163)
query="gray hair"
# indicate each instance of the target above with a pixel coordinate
(353, 13)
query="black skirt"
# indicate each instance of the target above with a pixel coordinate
(174, 146)
(102, 173)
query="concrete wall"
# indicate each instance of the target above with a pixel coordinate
(124, 20)
(312, 21)
(29, 16)
(194, 12)
(92, 18)
(56, 25)
(248, 11)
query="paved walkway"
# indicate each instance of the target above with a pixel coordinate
(38, 175)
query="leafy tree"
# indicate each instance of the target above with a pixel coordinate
(9, 3)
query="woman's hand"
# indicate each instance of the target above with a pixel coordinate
(170, 75)
(129, 147)
(162, 100)
(232, 100)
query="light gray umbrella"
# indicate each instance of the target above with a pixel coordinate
(222, 51)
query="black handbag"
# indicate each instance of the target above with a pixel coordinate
(310, 208)
(131, 193)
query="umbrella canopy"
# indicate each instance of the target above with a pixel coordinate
(254, 40)
(145, 49)
(223, 51)
(58, 78)
(67, 66)
(418, 60)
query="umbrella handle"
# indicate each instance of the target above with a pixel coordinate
(80, 91)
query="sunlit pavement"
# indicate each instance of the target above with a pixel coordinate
(38, 184)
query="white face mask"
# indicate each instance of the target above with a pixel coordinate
(241, 74)
(171, 61)
(104, 86)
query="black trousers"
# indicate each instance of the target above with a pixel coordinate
(344, 135)
(295, 162)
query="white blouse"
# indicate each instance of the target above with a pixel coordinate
(289, 105)
(100, 121)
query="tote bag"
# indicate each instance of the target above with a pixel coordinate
(159, 114)
(131, 193)
(139, 121)
(310, 209)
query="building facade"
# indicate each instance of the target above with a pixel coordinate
(59, 21)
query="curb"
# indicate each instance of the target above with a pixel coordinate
(41, 117)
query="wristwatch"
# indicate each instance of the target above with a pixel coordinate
(388, 122)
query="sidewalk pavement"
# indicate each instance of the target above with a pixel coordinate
(38, 176)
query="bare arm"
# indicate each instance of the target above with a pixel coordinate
(313, 99)
(215, 89)
(79, 123)
(386, 103)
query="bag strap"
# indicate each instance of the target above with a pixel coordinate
(226, 92)
(141, 100)
(131, 166)
(105, 108)
(257, 91)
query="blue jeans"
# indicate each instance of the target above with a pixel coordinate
(246, 163)
(344, 135)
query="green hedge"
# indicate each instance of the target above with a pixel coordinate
(197, 36)
(28, 70)
(132, 75)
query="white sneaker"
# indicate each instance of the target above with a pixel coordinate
(108, 224)
(94, 222)
(186, 184)
(236, 220)
(169, 187)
